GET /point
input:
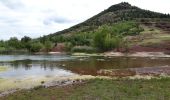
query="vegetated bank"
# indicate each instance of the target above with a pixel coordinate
(100, 89)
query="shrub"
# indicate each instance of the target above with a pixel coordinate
(68, 46)
(85, 49)
(48, 45)
(36, 47)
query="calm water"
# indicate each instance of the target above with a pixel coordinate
(21, 66)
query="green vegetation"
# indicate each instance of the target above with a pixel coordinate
(85, 49)
(110, 37)
(48, 45)
(3, 68)
(106, 37)
(36, 47)
(103, 89)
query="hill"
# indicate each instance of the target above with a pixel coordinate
(142, 29)
(116, 13)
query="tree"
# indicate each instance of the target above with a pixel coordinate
(14, 43)
(36, 47)
(48, 45)
(98, 40)
(68, 46)
(109, 42)
(25, 39)
(26, 42)
(2, 43)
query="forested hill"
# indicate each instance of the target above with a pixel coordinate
(116, 13)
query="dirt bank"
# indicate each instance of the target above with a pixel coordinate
(137, 54)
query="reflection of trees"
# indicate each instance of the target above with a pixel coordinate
(48, 65)
(28, 64)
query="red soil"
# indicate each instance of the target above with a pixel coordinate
(162, 47)
(146, 49)
(59, 47)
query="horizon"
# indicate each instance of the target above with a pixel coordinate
(45, 18)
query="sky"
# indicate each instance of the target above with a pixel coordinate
(36, 18)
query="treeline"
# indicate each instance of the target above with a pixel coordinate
(26, 44)
(106, 37)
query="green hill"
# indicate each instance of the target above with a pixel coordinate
(116, 13)
(123, 22)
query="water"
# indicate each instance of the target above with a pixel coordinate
(21, 66)
(5, 58)
(91, 65)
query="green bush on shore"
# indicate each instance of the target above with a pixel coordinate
(84, 49)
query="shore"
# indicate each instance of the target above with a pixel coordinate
(119, 54)
(10, 86)
(99, 88)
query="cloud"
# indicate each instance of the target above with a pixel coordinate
(35, 18)
(12, 4)
(56, 19)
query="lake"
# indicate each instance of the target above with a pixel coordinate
(22, 66)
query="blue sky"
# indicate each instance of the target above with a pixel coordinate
(36, 18)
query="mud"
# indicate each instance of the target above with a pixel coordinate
(146, 71)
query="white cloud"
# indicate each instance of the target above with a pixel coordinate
(35, 18)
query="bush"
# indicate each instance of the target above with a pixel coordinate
(68, 46)
(104, 39)
(85, 49)
(36, 47)
(2, 49)
(48, 45)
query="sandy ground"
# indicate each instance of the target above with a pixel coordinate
(137, 54)
(11, 85)
(117, 54)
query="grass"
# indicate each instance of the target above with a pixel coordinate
(151, 36)
(149, 30)
(156, 39)
(3, 68)
(163, 37)
(1, 79)
(101, 89)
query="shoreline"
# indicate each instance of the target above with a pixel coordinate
(120, 54)
(79, 79)
(108, 54)
(9, 86)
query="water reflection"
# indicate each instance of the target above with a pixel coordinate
(25, 68)
(46, 65)
(93, 64)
